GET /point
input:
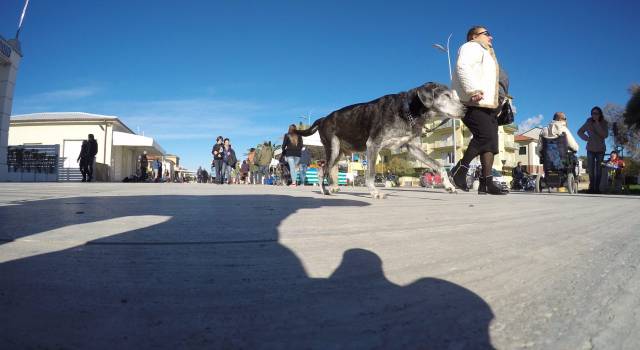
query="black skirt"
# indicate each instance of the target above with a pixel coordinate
(484, 126)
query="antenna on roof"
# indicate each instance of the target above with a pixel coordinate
(24, 11)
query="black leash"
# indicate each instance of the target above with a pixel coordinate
(439, 125)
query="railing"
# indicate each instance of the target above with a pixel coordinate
(511, 144)
(442, 144)
(33, 163)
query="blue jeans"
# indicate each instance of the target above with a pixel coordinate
(226, 173)
(303, 173)
(594, 167)
(262, 173)
(293, 164)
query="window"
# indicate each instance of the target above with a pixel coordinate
(523, 150)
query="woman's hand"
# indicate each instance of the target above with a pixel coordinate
(477, 97)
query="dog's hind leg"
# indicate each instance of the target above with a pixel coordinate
(332, 152)
(420, 155)
(332, 164)
(372, 156)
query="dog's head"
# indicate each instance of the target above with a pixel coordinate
(440, 101)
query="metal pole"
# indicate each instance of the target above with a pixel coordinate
(453, 121)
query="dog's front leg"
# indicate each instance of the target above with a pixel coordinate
(420, 155)
(372, 155)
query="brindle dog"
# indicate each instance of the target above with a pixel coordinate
(391, 121)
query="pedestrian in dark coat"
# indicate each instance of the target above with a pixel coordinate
(218, 159)
(83, 159)
(93, 150)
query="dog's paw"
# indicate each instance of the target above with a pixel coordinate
(378, 195)
(451, 190)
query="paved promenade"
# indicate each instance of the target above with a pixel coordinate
(199, 266)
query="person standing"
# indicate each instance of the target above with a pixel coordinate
(305, 161)
(83, 159)
(291, 150)
(93, 150)
(218, 159)
(263, 160)
(476, 83)
(144, 164)
(229, 161)
(159, 175)
(595, 130)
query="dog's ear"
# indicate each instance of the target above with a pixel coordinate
(425, 94)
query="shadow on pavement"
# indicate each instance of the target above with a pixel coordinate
(210, 275)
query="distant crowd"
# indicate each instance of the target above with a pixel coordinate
(260, 165)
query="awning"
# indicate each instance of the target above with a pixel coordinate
(313, 140)
(142, 143)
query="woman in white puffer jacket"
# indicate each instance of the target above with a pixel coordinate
(476, 83)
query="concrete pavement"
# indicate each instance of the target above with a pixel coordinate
(173, 266)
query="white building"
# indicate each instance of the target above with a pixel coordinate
(118, 146)
(527, 142)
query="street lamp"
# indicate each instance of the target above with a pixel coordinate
(453, 121)
(307, 117)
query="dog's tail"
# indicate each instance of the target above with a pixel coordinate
(312, 129)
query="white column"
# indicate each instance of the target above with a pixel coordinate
(9, 62)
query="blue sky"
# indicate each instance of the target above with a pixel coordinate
(186, 71)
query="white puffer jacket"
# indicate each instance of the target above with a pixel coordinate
(476, 70)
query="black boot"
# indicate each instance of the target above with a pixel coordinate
(491, 188)
(459, 175)
(482, 188)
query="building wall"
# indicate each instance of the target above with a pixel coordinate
(439, 143)
(124, 163)
(530, 158)
(55, 134)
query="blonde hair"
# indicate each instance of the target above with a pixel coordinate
(293, 135)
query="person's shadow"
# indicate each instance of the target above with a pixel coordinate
(208, 273)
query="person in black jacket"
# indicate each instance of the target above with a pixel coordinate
(93, 150)
(291, 150)
(83, 159)
(218, 159)
(144, 164)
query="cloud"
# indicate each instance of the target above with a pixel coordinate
(530, 123)
(64, 94)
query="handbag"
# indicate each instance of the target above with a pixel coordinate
(506, 115)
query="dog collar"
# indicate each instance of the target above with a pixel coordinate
(407, 111)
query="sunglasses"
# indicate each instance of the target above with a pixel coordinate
(486, 32)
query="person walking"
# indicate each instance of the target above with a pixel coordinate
(291, 150)
(595, 130)
(305, 161)
(253, 168)
(263, 161)
(477, 84)
(83, 160)
(93, 150)
(218, 159)
(229, 161)
(244, 172)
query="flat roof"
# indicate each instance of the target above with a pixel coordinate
(66, 116)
